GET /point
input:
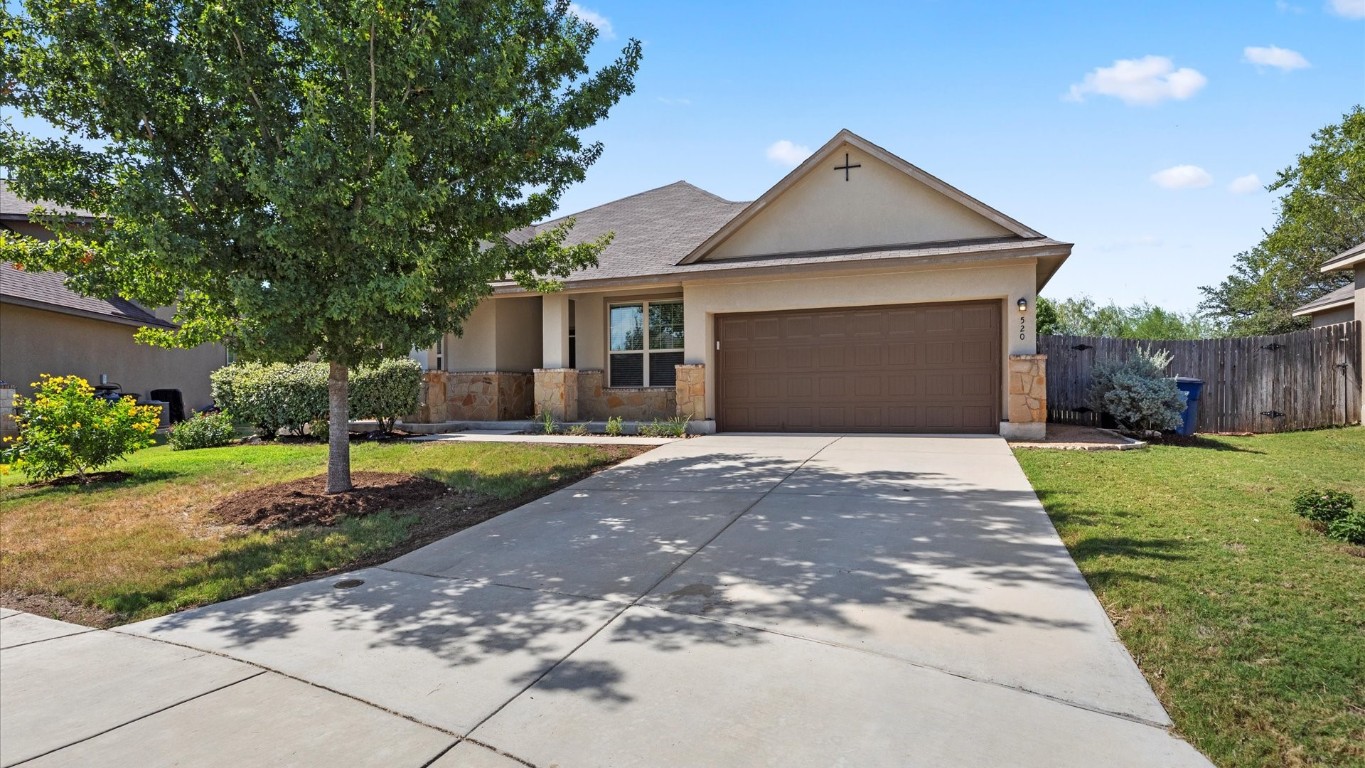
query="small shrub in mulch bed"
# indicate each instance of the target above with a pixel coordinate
(306, 501)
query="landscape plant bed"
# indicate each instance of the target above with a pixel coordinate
(1246, 621)
(109, 553)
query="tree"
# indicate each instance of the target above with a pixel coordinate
(1048, 321)
(1322, 213)
(300, 177)
(1083, 317)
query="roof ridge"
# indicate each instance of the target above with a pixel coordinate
(683, 182)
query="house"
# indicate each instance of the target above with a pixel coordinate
(858, 294)
(45, 327)
(1346, 303)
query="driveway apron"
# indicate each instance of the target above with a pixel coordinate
(732, 600)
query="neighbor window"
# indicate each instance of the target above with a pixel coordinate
(646, 342)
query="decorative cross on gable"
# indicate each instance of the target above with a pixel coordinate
(847, 166)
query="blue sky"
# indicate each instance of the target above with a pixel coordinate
(1026, 106)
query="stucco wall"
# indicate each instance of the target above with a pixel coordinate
(518, 334)
(878, 205)
(1007, 282)
(1334, 316)
(499, 335)
(34, 341)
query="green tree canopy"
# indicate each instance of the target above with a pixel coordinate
(1322, 213)
(1083, 317)
(305, 176)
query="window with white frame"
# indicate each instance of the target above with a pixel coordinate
(646, 341)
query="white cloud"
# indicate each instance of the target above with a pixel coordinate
(594, 18)
(1148, 80)
(1285, 7)
(1351, 9)
(1274, 56)
(1245, 185)
(1182, 177)
(788, 153)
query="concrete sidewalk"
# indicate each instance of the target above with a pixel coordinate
(724, 601)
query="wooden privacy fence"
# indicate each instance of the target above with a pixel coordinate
(1297, 380)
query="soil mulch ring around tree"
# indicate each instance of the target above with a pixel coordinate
(306, 501)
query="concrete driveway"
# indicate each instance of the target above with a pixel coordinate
(725, 601)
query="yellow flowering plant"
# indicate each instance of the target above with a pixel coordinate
(64, 428)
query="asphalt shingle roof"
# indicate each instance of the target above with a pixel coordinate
(47, 290)
(654, 229)
(1344, 293)
(13, 207)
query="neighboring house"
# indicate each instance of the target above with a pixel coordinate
(858, 294)
(1345, 303)
(46, 327)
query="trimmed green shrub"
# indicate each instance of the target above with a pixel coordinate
(203, 430)
(64, 428)
(272, 397)
(615, 426)
(1323, 506)
(291, 397)
(1136, 391)
(386, 392)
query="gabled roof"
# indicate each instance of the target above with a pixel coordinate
(1352, 258)
(47, 290)
(822, 156)
(654, 229)
(1341, 297)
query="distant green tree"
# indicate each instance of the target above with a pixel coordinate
(1322, 213)
(330, 177)
(1047, 317)
(1083, 317)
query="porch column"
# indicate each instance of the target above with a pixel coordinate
(557, 393)
(554, 331)
(1027, 398)
(691, 391)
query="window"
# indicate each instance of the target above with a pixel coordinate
(646, 341)
(440, 354)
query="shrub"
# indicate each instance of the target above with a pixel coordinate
(1323, 507)
(204, 430)
(674, 427)
(1136, 391)
(386, 392)
(1349, 528)
(64, 428)
(272, 397)
(614, 426)
(578, 430)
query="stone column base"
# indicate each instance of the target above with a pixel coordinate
(1027, 401)
(691, 391)
(556, 393)
(487, 396)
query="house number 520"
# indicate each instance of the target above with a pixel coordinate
(1021, 329)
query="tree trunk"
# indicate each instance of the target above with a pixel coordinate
(338, 435)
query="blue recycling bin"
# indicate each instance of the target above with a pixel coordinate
(1192, 389)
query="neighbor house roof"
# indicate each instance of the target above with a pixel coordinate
(15, 208)
(47, 290)
(1352, 258)
(1341, 297)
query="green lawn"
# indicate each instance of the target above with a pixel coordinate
(1249, 624)
(148, 546)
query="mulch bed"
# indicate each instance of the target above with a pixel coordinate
(306, 501)
(59, 608)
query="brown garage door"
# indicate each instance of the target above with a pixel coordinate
(912, 368)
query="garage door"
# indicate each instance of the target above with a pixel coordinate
(913, 368)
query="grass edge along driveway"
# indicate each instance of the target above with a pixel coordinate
(1249, 624)
(110, 553)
